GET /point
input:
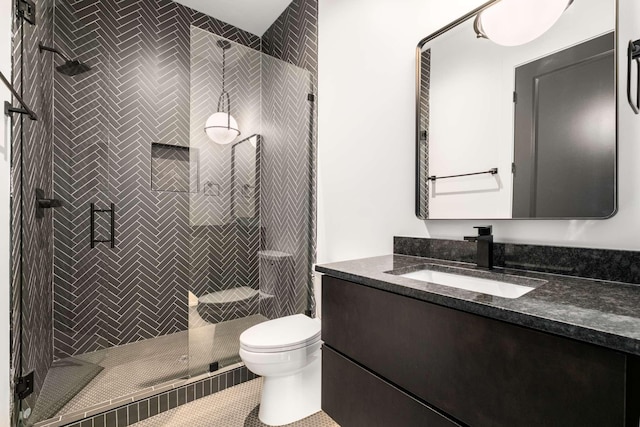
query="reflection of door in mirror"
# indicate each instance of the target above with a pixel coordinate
(565, 133)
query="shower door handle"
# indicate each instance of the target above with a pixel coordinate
(633, 55)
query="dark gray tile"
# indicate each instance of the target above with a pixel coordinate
(99, 421)
(207, 387)
(173, 399)
(191, 393)
(87, 423)
(123, 419)
(133, 413)
(143, 410)
(199, 389)
(182, 395)
(111, 420)
(153, 406)
(164, 402)
(215, 387)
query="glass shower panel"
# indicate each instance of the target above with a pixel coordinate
(223, 215)
(252, 218)
(286, 191)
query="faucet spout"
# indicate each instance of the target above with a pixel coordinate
(484, 246)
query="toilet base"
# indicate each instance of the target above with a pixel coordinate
(290, 398)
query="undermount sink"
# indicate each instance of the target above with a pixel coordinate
(470, 283)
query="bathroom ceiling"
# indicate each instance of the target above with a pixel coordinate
(255, 16)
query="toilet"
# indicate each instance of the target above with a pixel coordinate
(286, 353)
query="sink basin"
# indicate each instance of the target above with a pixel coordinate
(469, 283)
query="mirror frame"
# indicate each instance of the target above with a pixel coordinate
(460, 21)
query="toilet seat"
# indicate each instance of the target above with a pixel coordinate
(280, 335)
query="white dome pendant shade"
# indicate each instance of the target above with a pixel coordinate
(516, 22)
(221, 127)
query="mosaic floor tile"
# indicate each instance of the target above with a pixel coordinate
(235, 407)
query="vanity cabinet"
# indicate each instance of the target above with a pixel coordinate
(391, 357)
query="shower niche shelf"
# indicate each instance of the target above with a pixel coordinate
(172, 168)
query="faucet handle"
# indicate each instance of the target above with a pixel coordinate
(484, 230)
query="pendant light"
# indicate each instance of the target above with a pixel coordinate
(221, 127)
(516, 22)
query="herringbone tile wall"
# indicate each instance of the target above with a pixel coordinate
(425, 73)
(293, 37)
(32, 244)
(137, 93)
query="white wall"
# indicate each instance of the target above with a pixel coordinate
(5, 213)
(366, 135)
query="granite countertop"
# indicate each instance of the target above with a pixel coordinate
(594, 311)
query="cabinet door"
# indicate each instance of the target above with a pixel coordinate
(355, 397)
(481, 371)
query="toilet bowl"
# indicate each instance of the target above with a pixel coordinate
(286, 353)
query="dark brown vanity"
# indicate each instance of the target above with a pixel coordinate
(399, 355)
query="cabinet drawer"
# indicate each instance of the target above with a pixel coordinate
(481, 371)
(354, 397)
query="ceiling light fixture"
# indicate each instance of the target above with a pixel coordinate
(221, 127)
(516, 22)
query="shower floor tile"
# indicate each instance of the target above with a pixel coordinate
(234, 407)
(135, 367)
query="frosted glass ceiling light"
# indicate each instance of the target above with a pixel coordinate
(221, 127)
(516, 22)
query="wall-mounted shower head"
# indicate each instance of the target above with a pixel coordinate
(70, 67)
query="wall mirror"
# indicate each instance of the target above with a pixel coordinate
(519, 132)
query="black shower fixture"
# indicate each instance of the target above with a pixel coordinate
(70, 67)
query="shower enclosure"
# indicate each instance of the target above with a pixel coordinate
(166, 245)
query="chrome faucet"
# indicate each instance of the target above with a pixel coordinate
(484, 242)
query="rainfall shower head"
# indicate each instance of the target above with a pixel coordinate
(73, 68)
(70, 67)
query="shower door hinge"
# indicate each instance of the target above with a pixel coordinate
(515, 97)
(311, 97)
(24, 386)
(26, 9)
(513, 167)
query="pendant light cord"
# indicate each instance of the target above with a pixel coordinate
(224, 95)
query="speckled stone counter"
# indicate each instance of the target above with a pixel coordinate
(594, 311)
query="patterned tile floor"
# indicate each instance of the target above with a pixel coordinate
(234, 407)
(134, 367)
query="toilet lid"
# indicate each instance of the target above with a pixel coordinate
(286, 333)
